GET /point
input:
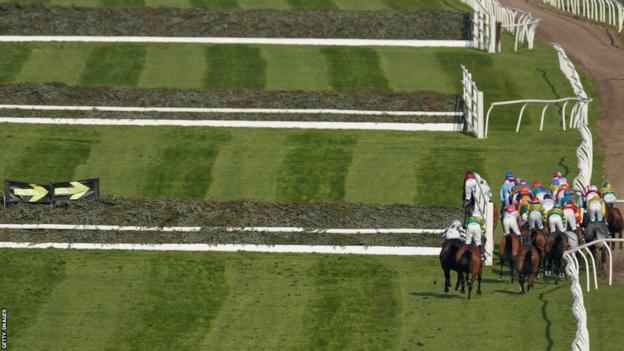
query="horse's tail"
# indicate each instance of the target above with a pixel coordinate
(466, 258)
(528, 262)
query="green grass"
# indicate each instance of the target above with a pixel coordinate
(69, 300)
(11, 61)
(277, 165)
(234, 67)
(381, 167)
(353, 69)
(114, 65)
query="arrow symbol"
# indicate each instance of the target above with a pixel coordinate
(36, 193)
(77, 190)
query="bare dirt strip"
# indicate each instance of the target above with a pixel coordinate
(600, 54)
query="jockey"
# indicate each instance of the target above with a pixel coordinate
(536, 214)
(509, 178)
(470, 186)
(556, 219)
(475, 227)
(608, 194)
(548, 203)
(567, 197)
(596, 209)
(455, 231)
(572, 214)
(538, 190)
(590, 192)
(511, 220)
(561, 193)
(522, 202)
(554, 187)
(560, 178)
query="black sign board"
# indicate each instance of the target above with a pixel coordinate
(27, 192)
(46, 193)
(77, 190)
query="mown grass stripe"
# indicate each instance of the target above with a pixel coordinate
(119, 64)
(355, 305)
(200, 279)
(183, 166)
(59, 63)
(286, 62)
(316, 166)
(380, 163)
(211, 4)
(355, 69)
(173, 66)
(370, 5)
(248, 166)
(234, 67)
(53, 157)
(313, 4)
(168, 3)
(263, 4)
(12, 59)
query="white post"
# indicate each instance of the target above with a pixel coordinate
(489, 234)
(480, 129)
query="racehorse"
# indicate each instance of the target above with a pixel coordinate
(468, 259)
(527, 265)
(508, 249)
(448, 263)
(615, 222)
(596, 231)
(556, 245)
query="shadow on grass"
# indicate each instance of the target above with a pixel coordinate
(507, 292)
(442, 295)
(547, 334)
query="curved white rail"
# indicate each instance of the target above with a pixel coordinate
(610, 12)
(581, 340)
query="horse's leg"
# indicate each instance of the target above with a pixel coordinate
(479, 283)
(511, 267)
(500, 273)
(620, 236)
(540, 263)
(521, 281)
(469, 285)
(463, 282)
(458, 281)
(447, 279)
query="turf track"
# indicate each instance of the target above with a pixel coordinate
(66, 300)
(224, 164)
(368, 5)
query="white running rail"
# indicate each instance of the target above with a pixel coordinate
(578, 120)
(521, 24)
(483, 202)
(610, 12)
(581, 340)
(473, 105)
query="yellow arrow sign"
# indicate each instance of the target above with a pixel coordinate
(77, 190)
(36, 193)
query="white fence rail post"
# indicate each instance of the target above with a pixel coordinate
(610, 12)
(483, 202)
(473, 105)
(487, 13)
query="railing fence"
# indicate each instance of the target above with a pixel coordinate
(610, 12)
(473, 105)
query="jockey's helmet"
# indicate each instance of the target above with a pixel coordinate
(537, 183)
(557, 174)
(509, 175)
(535, 200)
(555, 182)
(469, 175)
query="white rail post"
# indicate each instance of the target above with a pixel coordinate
(480, 128)
(489, 234)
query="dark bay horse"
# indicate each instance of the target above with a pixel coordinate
(595, 231)
(615, 222)
(556, 245)
(448, 262)
(508, 249)
(468, 259)
(527, 265)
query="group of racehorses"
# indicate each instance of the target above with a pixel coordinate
(534, 253)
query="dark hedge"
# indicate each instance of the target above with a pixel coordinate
(61, 94)
(178, 212)
(31, 19)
